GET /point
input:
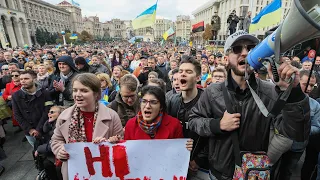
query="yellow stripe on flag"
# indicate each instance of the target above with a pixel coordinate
(267, 20)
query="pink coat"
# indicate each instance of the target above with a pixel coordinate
(108, 124)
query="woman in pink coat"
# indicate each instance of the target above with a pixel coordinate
(86, 121)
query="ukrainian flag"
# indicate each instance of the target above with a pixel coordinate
(145, 19)
(270, 15)
(168, 33)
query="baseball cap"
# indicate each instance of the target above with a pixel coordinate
(239, 35)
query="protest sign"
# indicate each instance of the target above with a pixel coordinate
(130, 160)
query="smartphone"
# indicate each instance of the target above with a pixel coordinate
(147, 68)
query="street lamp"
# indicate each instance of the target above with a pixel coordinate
(64, 37)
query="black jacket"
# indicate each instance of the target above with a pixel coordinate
(176, 108)
(31, 111)
(143, 77)
(67, 99)
(293, 122)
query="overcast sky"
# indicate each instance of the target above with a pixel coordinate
(129, 9)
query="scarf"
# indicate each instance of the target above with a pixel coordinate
(77, 131)
(39, 77)
(149, 128)
(64, 78)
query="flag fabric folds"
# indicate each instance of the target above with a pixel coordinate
(74, 36)
(145, 19)
(168, 33)
(270, 15)
(199, 27)
(75, 3)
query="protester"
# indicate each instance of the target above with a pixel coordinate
(117, 59)
(125, 65)
(30, 106)
(11, 88)
(61, 85)
(135, 62)
(82, 65)
(306, 65)
(43, 77)
(86, 121)
(97, 66)
(126, 103)
(152, 75)
(179, 106)
(143, 77)
(157, 82)
(152, 121)
(108, 93)
(209, 117)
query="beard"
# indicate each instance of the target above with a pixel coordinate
(238, 72)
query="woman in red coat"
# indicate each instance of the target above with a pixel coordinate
(151, 121)
(10, 89)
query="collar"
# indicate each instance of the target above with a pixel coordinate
(232, 85)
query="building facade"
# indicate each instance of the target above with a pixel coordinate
(225, 7)
(13, 25)
(76, 15)
(93, 26)
(160, 27)
(183, 28)
(40, 14)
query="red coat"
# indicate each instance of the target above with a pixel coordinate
(10, 89)
(170, 128)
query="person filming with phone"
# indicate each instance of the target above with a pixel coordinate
(152, 66)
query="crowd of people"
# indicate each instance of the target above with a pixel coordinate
(119, 91)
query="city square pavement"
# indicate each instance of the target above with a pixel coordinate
(19, 164)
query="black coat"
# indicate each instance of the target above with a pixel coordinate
(254, 131)
(31, 111)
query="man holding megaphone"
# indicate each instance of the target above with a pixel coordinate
(228, 114)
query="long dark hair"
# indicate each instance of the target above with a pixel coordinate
(158, 93)
(114, 57)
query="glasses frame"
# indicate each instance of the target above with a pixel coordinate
(232, 48)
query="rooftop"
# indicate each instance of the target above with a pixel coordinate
(206, 5)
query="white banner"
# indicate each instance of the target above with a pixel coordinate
(130, 160)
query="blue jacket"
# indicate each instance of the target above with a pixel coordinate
(314, 117)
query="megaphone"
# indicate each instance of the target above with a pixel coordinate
(301, 24)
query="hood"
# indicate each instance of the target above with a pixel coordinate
(38, 89)
(69, 61)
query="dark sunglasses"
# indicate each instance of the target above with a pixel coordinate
(238, 49)
(15, 75)
(5, 69)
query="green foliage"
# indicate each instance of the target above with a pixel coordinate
(44, 37)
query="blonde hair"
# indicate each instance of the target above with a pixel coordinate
(106, 77)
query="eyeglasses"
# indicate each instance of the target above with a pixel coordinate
(144, 102)
(238, 49)
(5, 69)
(15, 75)
(127, 97)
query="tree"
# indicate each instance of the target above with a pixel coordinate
(85, 36)
(207, 32)
(40, 36)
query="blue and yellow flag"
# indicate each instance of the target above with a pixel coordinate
(270, 15)
(168, 33)
(145, 19)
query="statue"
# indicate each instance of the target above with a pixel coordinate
(232, 20)
(216, 25)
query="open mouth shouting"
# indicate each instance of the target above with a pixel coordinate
(183, 82)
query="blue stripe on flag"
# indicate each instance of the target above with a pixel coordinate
(273, 6)
(149, 11)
